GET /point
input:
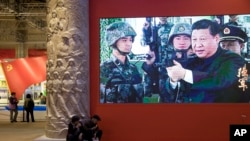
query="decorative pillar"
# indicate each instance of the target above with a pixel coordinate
(68, 64)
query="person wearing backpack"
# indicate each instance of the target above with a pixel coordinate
(29, 107)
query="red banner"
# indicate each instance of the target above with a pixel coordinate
(21, 73)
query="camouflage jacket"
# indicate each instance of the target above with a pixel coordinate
(120, 83)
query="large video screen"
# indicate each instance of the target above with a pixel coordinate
(184, 59)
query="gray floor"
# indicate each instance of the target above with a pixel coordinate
(21, 131)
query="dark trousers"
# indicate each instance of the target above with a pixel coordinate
(88, 135)
(15, 111)
(99, 134)
(29, 112)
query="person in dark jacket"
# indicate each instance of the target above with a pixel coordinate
(29, 107)
(91, 129)
(75, 129)
(212, 73)
(13, 107)
(233, 38)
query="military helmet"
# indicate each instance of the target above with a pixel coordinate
(118, 30)
(72, 60)
(59, 60)
(56, 73)
(66, 73)
(179, 29)
(78, 73)
(50, 62)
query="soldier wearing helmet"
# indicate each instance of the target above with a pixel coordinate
(156, 37)
(178, 48)
(163, 31)
(120, 80)
(180, 40)
(180, 31)
(120, 31)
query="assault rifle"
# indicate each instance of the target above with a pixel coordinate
(170, 55)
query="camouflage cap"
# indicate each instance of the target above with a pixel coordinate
(179, 29)
(232, 33)
(118, 30)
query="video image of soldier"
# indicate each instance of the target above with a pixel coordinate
(137, 73)
(120, 80)
(155, 34)
(177, 48)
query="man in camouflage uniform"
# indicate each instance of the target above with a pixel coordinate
(156, 37)
(120, 81)
(178, 48)
(156, 34)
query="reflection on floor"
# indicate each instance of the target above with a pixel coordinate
(21, 131)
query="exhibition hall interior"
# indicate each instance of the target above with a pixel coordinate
(24, 34)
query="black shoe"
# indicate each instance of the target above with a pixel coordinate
(14, 121)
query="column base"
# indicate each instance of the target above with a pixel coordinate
(44, 138)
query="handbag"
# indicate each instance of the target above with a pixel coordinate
(12, 106)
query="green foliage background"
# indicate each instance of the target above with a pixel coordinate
(105, 51)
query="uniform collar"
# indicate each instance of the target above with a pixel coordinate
(118, 62)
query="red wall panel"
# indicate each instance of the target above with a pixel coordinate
(36, 52)
(155, 122)
(7, 53)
